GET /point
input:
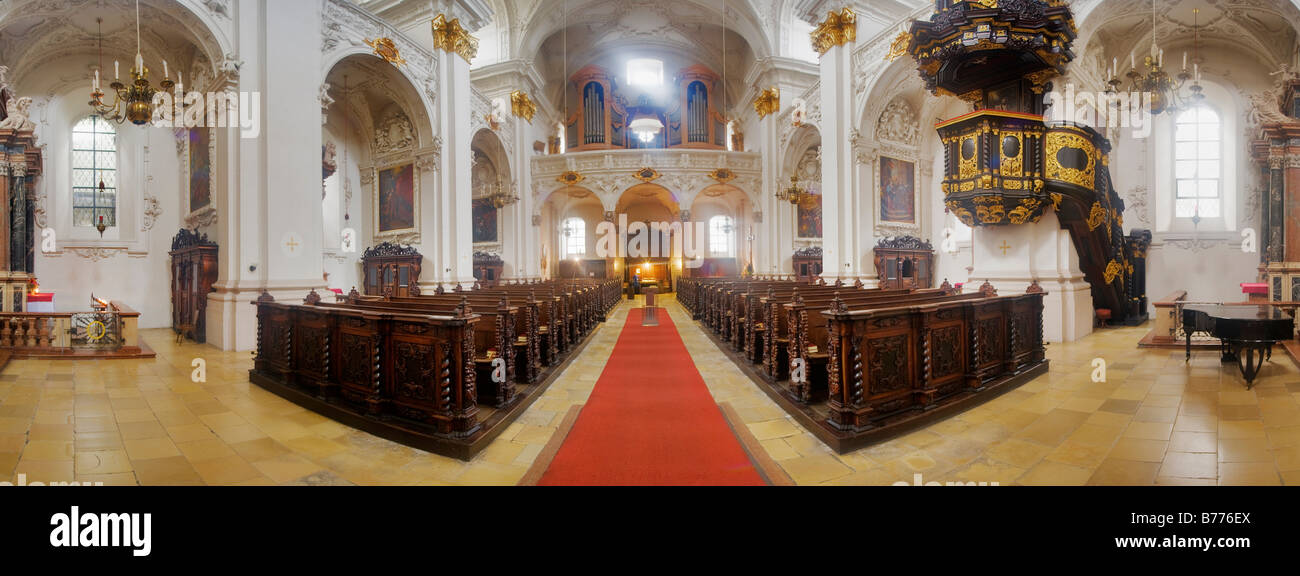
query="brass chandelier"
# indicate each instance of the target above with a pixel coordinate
(795, 193)
(1167, 92)
(500, 196)
(132, 102)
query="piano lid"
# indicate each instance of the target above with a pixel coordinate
(1251, 312)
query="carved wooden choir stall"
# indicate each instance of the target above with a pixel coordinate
(807, 263)
(905, 262)
(488, 268)
(194, 270)
(391, 270)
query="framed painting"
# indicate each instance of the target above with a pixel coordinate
(897, 190)
(808, 218)
(397, 203)
(199, 160)
(486, 222)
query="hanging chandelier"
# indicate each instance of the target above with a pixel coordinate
(794, 193)
(645, 122)
(132, 102)
(500, 197)
(1166, 92)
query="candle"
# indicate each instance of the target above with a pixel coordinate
(1114, 66)
(1162, 58)
(1132, 61)
(95, 84)
(167, 74)
(1184, 60)
(116, 74)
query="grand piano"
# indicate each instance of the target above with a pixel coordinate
(1247, 333)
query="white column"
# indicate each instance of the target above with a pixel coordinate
(454, 253)
(261, 184)
(1039, 251)
(767, 237)
(520, 247)
(841, 258)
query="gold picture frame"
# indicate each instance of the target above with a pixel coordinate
(402, 234)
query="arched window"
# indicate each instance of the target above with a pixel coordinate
(722, 237)
(1198, 164)
(575, 237)
(94, 161)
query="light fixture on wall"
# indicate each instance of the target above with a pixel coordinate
(1166, 92)
(133, 102)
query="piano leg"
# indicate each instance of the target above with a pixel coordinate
(1187, 330)
(1229, 354)
(1251, 361)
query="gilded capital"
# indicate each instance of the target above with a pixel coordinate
(522, 106)
(448, 35)
(838, 29)
(768, 102)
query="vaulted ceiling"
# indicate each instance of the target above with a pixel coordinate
(36, 33)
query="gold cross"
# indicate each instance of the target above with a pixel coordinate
(1004, 247)
(292, 244)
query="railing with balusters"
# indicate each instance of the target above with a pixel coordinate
(112, 330)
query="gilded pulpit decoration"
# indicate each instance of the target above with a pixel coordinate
(522, 106)
(1113, 269)
(838, 29)
(385, 48)
(450, 36)
(768, 102)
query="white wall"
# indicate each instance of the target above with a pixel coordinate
(129, 263)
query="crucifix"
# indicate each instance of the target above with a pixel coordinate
(1004, 247)
(292, 244)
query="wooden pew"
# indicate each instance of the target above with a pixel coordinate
(776, 361)
(417, 367)
(886, 362)
(808, 336)
(494, 332)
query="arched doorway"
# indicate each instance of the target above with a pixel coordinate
(652, 244)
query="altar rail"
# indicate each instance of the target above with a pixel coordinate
(113, 333)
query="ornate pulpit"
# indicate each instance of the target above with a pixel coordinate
(1005, 166)
(20, 166)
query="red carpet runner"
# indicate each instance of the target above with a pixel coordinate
(650, 421)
